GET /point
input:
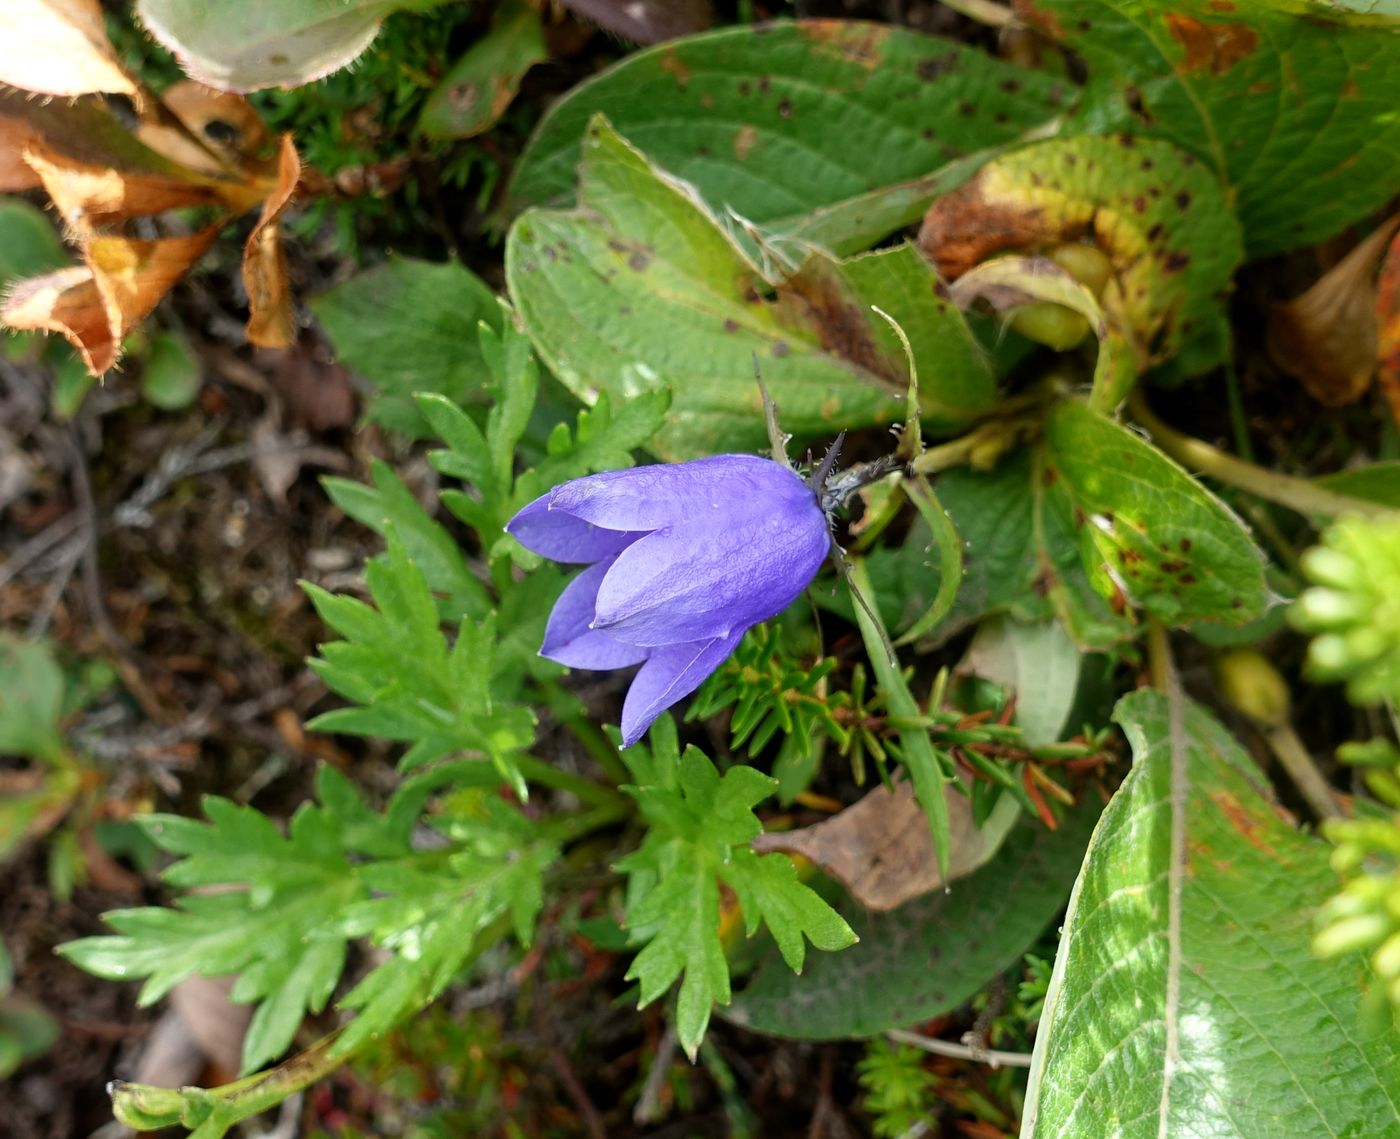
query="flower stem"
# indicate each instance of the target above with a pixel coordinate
(1301, 495)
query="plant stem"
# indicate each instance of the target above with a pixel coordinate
(1297, 761)
(596, 743)
(1295, 493)
(547, 775)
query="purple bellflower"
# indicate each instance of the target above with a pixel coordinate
(683, 560)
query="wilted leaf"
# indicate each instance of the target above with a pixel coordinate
(1037, 664)
(270, 318)
(931, 954)
(1157, 213)
(1294, 114)
(1186, 998)
(242, 45)
(15, 173)
(641, 288)
(1329, 337)
(475, 93)
(646, 21)
(94, 306)
(204, 129)
(59, 47)
(880, 848)
(763, 120)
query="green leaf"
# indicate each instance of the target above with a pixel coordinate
(700, 827)
(1295, 115)
(242, 45)
(1039, 665)
(748, 115)
(407, 327)
(395, 663)
(1185, 996)
(956, 382)
(928, 768)
(271, 931)
(29, 247)
(1375, 482)
(478, 88)
(928, 956)
(437, 914)
(170, 372)
(31, 698)
(390, 504)
(944, 535)
(640, 288)
(1148, 531)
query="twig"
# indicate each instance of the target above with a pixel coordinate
(649, 1109)
(1301, 495)
(37, 546)
(87, 522)
(960, 1051)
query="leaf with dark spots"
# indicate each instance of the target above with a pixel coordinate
(764, 121)
(1137, 503)
(1294, 114)
(1170, 265)
(682, 278)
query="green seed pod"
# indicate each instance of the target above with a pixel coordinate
(1349, 934)
(1050, 324)
(1088, 264)
(1253, 685)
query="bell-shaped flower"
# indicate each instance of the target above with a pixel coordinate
(685, 559)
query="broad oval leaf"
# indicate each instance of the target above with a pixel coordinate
(243, 45)
(640, 288)
(775, 121)
(1149, 533)
(1295, 114)
(931, 954)
(1186, 999)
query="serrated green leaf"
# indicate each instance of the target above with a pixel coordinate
(640, 288)
(1185, 996)
(1293, 114)
(408, 327)
(389, 503)
(930, 955)
(700, 827)
(1148, 531)
(410, 686)
(746, 114)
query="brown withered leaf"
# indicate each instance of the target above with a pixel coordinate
(59, 47)
(1388, 320)
(69, 303)
(270, 319)
(94, 305)
(89, 197)
(15, 173)
(1329, 338)
(132, 275)
(204, 129)
(880, 848)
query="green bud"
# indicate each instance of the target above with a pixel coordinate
(1386, 959)
(1253, 685)
(1050, 324)
(143, 1107)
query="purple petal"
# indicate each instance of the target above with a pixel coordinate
(669, 674)
(569, 640)
(648, 498)
(702, 581)
(561, 537)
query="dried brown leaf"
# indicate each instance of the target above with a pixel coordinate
(59, 47)
(132, 275)
(213, 131)
(1329, 338)
(67, 302)
(15, 173)
(270, 319)
(880, 848)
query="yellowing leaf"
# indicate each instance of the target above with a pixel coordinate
(59, 47)
(270, 323)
